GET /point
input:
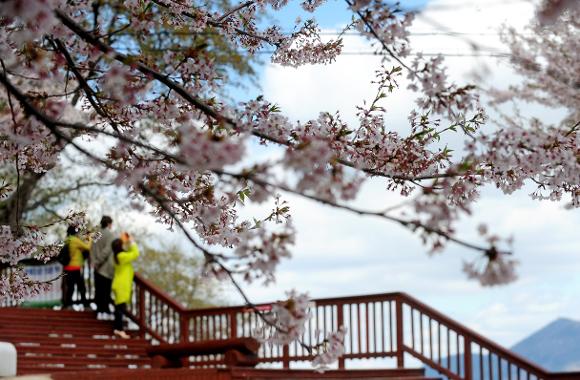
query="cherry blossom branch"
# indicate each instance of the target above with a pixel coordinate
(410, 224)
(217, 23)
(212, 257)
(51, 124)
(47, 121)
(207, 110)
(125, 59)
(78, 186)
(209, 256)
(176, 159)
(234, 10)
(91, 96)
(376, 35)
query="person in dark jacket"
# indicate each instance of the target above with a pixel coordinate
(103, 266)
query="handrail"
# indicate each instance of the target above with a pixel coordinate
(159, 293)
(379, 325)
(473, 336)
(386, 325)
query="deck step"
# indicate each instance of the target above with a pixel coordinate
(54, 341)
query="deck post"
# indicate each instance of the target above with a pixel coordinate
(183, 328)
(233, 325)
(467, 358)
(286, 356)
(399, 316)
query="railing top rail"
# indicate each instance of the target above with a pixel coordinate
(140, 280)
(319, 301)
(564, 375)
(474, 336)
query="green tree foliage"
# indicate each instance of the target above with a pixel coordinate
(180, 275)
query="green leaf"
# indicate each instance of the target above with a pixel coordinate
(243, 194)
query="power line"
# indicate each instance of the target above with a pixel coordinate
(372, 53)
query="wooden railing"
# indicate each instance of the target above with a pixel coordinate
(378, 326)
(389, 325)
(458, 352)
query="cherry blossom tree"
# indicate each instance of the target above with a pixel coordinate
(134, 74)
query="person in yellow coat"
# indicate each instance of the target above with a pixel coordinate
(122, 280)
(78, 250)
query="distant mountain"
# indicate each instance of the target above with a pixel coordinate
(555, 347)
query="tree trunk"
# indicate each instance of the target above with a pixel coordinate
(12, 209)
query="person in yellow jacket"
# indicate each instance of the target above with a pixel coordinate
(122, 281)
(77, 250)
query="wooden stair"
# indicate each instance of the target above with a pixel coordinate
(51, 341)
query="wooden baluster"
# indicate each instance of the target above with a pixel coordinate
(439, 344)
(458, 356)
(198, 328)
(340, 323)
(351, 327)
(399, 332)
(309, 332)
(481, 363)
(205, 327)
(177, 326)
(252, 324)
(324, 330)
(448, 349)
(430, 321)
(376, 321)
(358, 315)
(166, 321)
(421, 331)
(157, 318)
(384, 327)
(141, 316)
(412, 328)
(367, 328)
(218, 326)
(467, 358)
(146, 306)
(174, 330)
(489, 365)
(392, 324)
